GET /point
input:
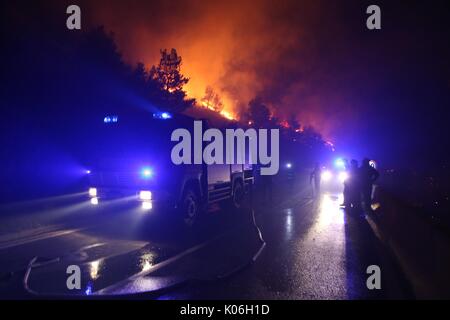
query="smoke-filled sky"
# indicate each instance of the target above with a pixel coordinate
(282, 52)
(382, 94)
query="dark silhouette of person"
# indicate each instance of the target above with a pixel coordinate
(316, 176)
(354, 187)
(346, 203)
(367, 175)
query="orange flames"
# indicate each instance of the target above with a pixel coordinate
(227, 114)
(242, 49)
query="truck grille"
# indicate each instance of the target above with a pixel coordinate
(114, 179)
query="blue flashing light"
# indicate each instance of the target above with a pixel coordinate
(110, 119)
(162, 115)
(339, 163)
(146, 173)
(165, 115)
(88, 290)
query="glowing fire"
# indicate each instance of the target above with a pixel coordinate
(284, 124)
(244, 44)
(224, 113)
(207, 106)
(227, 115)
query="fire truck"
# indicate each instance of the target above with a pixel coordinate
(130, 158)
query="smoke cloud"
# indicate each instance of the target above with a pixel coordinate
(282, 52)
(314, 61)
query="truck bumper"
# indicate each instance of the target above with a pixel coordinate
(148, 199)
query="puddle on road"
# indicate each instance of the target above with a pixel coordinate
(129, 267)
(99, 268)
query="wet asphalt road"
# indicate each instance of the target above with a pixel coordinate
(283, 245)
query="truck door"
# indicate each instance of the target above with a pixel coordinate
(219, 181)
(218, 174)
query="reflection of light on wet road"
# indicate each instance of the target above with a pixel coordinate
(330, 212)
(288, 224)
(94, 269)
(322, 252)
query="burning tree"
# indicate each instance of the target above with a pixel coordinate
(212, 100)
(165, 83)
(167, 73)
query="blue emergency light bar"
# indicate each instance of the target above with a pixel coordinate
(146, 173)
(162, 115)
(110, 119)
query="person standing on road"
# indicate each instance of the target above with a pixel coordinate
(346, 202)
(316, 176)
(354, 186)
(368, 175)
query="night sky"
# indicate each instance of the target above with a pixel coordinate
(382, 94)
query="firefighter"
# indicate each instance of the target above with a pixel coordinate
(346, 203)
(316, 176)
(367, 175)
(354, 186)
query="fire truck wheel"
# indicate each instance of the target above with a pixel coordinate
(190, 207)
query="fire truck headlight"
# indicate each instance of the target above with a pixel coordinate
(93, 192)
(145, 195)
(343, 176)
(326, 175)
(147, 205)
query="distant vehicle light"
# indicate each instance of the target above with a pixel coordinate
(88, 171)
(93, 192)
(326, 175)
(147, 205)
(146, 173)
(343, 176)
(94, 201)
(288, 165)
(145, 195)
